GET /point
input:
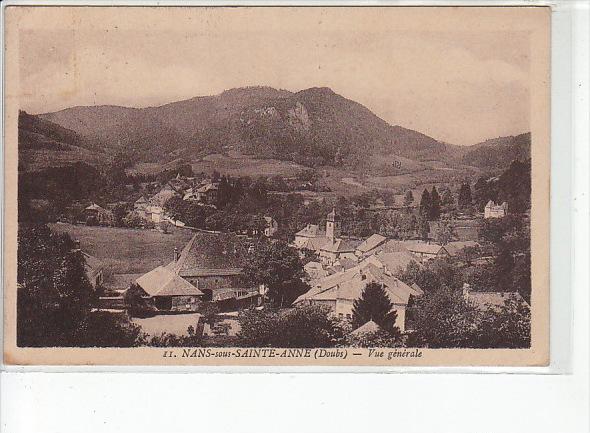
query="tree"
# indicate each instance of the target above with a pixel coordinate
(467, 254)
(484, 190)
(503, 266)
(447, 197)
(379, 338)
(408, 198)
(508, 326)
(514, 186)
(443, 319)
(375, 305)
(423, 228)
(209, 312)
(279, 267)
(135, 303)
(55, 298)
(425, 204)
(302, 326)
(465, 199)
(120, 211)
(444, 232)
(435, 203)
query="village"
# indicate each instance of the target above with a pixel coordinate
(205, 286)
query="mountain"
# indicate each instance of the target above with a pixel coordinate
(45, 144)
(313, 127)
(498, 153)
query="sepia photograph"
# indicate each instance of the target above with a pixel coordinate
(277, 186)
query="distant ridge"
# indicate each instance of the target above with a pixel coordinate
(315, 126)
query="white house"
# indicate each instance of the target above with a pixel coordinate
(340, 290)
(492, 210)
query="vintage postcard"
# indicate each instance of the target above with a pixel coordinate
(277, 186)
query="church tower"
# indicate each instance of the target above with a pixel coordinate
(332, 226)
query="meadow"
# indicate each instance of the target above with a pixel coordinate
(124, 250)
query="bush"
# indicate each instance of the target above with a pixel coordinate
(306, 326)
(136, 305)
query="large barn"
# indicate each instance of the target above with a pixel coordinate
(208, 269)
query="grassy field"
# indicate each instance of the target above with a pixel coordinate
(340, 181)
(127, 251)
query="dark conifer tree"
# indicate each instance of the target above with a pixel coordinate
(434, 204)
(465, 198)
(374, 304)
(409, 198)
(425, 204)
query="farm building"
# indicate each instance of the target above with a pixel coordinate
(208, 269)
(96, 214)
(426, 252)
(168, 291)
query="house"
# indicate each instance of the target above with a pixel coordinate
(271, 227)
(339, 291)
(492, 210)
(394, 262)
(490, 300)
(336, 249)
(155, 213)
(342, 264)
(98, 215)
(208, 269)
(425, 252)
(167, 291)
(189, 194)
(140, 203)
(369, 245)
(311, 237)
(315, 270)
(208, 193)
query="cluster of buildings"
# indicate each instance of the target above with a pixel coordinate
(346, 266)
(204, 193)
(208, 269)
(188, 188)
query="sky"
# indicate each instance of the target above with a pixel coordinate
(458, 77)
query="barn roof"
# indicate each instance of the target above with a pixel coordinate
(211, 252)
(163, 282)
(94, 206)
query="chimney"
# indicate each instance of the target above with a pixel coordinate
(466, 290)
(176, 255)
